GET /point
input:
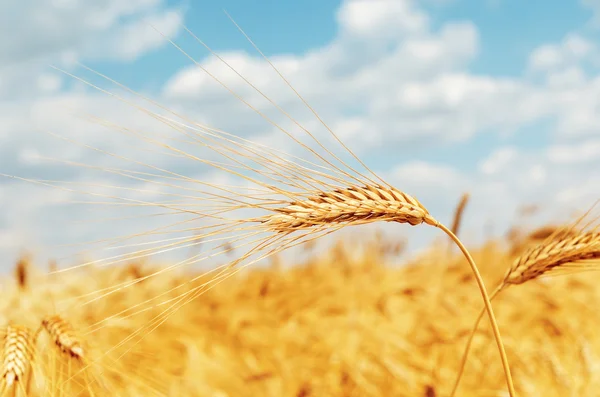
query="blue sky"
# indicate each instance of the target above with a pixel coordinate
(509, 30)
(276, 26)
(496, 97)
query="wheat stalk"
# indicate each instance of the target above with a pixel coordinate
(563, 249)
(63, 335)
(18, 355)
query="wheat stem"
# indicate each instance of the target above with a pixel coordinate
(463, 361)
(488, 308)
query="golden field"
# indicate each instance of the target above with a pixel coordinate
(346, 323)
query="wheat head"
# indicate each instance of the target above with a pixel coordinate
(18, 354)
(63, 335)
(459, 211)
(22, 272)
(566, 250)
(350, 205)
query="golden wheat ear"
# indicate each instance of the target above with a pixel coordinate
(569, 253)
(565, 250)
(22, 272)
(63, 335)
(354, 205)
(17, 360)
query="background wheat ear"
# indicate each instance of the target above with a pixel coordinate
(563, 251)
(63, 335)
(370, 203)
(22, 272)
(18, 356)
(570, 252)
(459, 212)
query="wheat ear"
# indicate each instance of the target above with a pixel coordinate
(561, 250)
(63, 335)
(370, 204)
(350, 205)
(22, 270)
(458, 213)
(18, 355)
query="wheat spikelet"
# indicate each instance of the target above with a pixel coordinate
(18, 354)
(350, 205)
(63, 335)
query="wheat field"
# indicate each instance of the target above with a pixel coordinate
(348, 322)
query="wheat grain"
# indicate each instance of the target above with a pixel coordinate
(63, 335)
(18, 354)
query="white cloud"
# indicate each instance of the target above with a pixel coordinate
(573, 48)
(498, 160)
(585, 152)
(62, 32)
(381, 19)
(420, 174)
(130, 41)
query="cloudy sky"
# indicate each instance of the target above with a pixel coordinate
(499, 98)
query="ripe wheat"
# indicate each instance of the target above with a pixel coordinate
(63, 335)
(18, 355)
(569, 251)
(352, 205)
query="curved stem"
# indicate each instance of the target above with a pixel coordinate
(488, 308)
(463, 361)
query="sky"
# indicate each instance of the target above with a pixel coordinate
(498, 98)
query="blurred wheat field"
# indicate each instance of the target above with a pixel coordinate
(345, 323)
